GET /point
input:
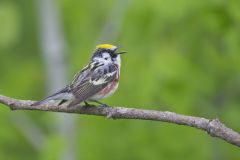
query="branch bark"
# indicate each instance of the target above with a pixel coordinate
(212, 126)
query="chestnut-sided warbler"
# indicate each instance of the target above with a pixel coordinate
(98, 80)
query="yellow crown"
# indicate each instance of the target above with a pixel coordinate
(106, 46)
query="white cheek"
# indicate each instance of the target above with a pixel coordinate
(104, 55)
(97, 59)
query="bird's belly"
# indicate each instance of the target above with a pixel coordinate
(105, 92)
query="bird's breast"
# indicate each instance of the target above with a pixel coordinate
(106, 91)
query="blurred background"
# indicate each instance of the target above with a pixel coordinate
(183, 56)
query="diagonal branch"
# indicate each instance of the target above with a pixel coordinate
(213, 127)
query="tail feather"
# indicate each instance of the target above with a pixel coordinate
(41, 102)
(63, 94)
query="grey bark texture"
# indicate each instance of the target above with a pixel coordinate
(212, 126)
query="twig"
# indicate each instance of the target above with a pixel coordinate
(213, 127)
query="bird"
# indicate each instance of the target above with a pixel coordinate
(97, 80)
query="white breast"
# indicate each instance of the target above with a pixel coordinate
(107, 91)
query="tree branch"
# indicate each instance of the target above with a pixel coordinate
(213, 127)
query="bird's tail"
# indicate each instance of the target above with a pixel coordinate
(63, 94)
(41, 102)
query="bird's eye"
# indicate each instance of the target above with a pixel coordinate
(106, 58)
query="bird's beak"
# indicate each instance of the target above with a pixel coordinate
(121, 52)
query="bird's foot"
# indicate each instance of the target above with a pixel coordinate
(104, 105)
(101, 104)
(62, 102)
(86, 103)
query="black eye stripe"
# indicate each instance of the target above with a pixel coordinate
(113, 55)
(99, 53)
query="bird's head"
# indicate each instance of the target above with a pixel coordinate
(107, 53)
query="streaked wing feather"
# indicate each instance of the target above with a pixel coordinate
(78, 77)
(85, 92)
(87, 88)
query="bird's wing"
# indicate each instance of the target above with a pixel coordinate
(65, 93)
(83, 75)
(92, 80)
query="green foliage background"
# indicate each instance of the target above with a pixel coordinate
(183, 56)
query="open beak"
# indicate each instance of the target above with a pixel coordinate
(121, 52)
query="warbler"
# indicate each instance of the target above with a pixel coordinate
(97, 80)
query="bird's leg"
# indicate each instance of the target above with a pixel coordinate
(86, 103)
(102, 104)
(62, 101)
